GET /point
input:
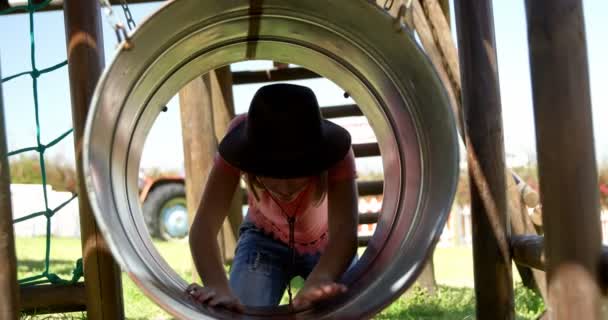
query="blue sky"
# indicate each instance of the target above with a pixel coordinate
(509, 18)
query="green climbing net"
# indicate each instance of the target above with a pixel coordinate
(46, 276)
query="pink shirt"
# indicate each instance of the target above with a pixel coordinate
(311, 227)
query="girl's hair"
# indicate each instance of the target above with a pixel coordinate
(319, 193)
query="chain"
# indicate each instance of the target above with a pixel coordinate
(388, 4)
(128, 16)
(116, 24)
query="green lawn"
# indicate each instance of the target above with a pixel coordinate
(454, 298)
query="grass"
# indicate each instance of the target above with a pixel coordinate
(454, 298)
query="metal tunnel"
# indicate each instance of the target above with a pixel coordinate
(355, 44)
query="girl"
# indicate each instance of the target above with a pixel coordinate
(302, 218)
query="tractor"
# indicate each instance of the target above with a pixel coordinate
(164, 208)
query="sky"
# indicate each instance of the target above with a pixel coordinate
(54, 97)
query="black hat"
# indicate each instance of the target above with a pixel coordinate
(284, 135)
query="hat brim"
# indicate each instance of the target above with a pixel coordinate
(241, 153)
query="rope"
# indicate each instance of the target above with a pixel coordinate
(46, 276)
(291, 220)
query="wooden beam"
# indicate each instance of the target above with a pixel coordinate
(529, 250)
(199, 141)
(52, 298)
(283, 74)
(366, 149)
(367, 188)
(368, 218)
(9, 293)
(566, 156)
(349, 110)
(223, 112)
(485, 155)
(85, 64)
(363, 241)
(206, 106)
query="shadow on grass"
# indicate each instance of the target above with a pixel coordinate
(61, 267)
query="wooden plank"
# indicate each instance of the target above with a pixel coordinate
(363, 241)
(85, 64)
(485, 155)
(9, 294)
(283, 74)
(566, 157)
(368, 218)
(53, 298)
(349, 110)
(362, 150)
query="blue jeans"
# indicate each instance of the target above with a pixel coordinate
(261, 267)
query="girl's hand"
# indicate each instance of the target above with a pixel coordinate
(312, 293)
(214, 298)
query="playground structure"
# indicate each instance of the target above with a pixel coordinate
(559, 118)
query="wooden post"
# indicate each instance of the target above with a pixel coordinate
(85, 64)
(206, 110)
(485, 155)
(433, 30)
(223, 113)
(9, 290)
(199, 141)
(566, 157)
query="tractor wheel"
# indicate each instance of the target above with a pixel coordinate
(166, 213)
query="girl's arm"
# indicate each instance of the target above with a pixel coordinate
(210, 215)
(341, 248)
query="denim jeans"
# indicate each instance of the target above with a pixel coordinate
(261, 267)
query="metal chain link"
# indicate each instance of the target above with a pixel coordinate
(128, 16)
(388, 4)
(116, 24)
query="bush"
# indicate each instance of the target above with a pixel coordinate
(27, 170)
